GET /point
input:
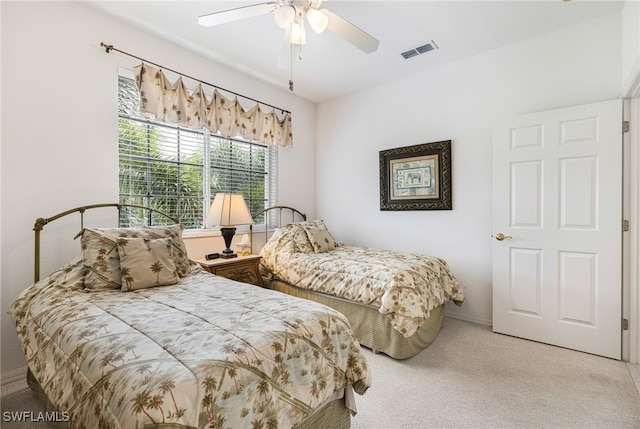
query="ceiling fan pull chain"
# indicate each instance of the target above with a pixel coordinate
(291, 66)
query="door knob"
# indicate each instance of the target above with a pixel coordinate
(500, 236)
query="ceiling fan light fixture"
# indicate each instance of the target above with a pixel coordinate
(290, 15)
(317, 20)
(298, 33)
(284, 16)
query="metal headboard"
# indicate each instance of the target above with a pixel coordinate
(41, 222)
(291, 215)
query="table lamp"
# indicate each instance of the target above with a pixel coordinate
(227, 211)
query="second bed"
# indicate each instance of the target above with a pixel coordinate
(394, 300)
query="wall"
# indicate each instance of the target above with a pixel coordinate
(630, 46)
(59, 131)
(459, 102)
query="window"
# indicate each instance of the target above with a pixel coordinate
(178, 170)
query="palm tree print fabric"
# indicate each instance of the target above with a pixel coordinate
(403, 286)
(146, 263)
(207, 352)
(102, 257)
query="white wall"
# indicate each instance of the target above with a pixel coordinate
(60, 137)
(630, 45)
(459, 102)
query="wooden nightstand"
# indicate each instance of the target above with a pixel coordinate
(243, 268)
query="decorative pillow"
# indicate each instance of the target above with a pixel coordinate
(146, 263)
(318, 235)
(100, 254)
(174, 232)
(101, 260)
(300, 238)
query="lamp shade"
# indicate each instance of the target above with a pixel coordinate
(228, 210)
(317, 20)
(284, 16)
(298, 33)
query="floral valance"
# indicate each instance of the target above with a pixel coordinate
(174, 103)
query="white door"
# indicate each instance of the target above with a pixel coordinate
(557, 199)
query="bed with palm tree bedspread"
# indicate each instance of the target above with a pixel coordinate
(393, 300)
(173, 346)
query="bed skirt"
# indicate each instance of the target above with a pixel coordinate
(370, 326)
(44, 401)
(334, 414)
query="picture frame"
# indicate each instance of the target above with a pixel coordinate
(416, 177)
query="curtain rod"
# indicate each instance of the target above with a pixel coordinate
(109, 48)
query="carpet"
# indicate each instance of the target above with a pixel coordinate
(21, 410)
(471, 377)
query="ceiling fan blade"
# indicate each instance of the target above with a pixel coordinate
(352, 34)
(236, 14)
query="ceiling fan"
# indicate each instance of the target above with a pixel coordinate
(291, 16)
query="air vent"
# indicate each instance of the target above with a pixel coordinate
(428, 47)
(409, 54)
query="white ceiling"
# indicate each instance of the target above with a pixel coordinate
(331, 67)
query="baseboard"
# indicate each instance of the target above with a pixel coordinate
(634, 370)
(14, 375)
(469, 319)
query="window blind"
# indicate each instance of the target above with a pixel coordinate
(179, 170)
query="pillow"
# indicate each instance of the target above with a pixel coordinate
(300, 238)
(100, 253)
(318, 235)
(100, 259)
(174, 232)
(146, 263)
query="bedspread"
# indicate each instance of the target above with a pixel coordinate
(207, 352)
(403, 286)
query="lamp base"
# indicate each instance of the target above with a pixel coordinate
(227, 234)
(225, 255)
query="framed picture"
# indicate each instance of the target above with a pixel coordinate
(416, 177)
